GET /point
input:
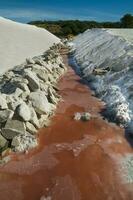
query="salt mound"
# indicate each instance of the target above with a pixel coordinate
(19, 41)
(105, 58)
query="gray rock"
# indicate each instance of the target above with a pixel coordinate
(5, 160)
(24, 87)
(33, 80)
(82, 116)
(39, 62)
(34, 120)
(86, 116)
(17, 92)
(3, 143)
(23, 111)
(30, 61)
(51, 97)
(3, 103)
(30, 128)
(24, 142)
(5, 115)
(13, 128)
(13, 104)
(42, 74)
(77, 116)
(40, 102)
(44, 121)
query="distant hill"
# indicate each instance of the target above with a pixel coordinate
(74, 27)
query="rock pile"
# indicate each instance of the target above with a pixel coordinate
(28, 97)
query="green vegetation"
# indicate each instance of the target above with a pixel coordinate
(70, 28)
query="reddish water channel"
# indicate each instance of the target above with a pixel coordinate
(75, 160)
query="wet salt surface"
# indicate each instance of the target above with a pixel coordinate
(75, 160)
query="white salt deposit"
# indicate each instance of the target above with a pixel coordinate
(105, 58)
(19, 41)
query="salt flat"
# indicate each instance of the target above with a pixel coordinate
(19, 41)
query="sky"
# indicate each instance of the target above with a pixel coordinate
(99, 10)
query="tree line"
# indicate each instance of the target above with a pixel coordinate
(70, 28)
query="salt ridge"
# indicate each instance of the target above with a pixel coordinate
(112, 52)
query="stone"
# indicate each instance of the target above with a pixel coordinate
(40, 102)
(24, 142)
(30, 128)
(42, 74)
(51, 78)
(3, 103)
(13, 128)
(5, 160)
(77, 116)
(14, 103)
(30, 61)
(39, 62)
(33, 80)
(24, 87)
(6, 151)
(44, 121)
(51, 97)
(34, 120)
(99, 71)
(17, 92)
(23, 111)
(82, 116)
(3, 143)
(86, 116)
(5, 115)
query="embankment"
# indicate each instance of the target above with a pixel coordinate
(105, 58)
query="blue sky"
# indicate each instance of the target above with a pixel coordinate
(100, 10)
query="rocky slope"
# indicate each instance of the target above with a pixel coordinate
(105, 58)
(28, 97)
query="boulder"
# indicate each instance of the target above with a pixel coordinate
(30, 61)
(33, 80)
(24, 142)
(42, 74)
(3, 143)
(30, 128)
(13, 128)
(51, 97)
(14, 103)
(34, 120)
(44, 121)
(23, 111)
(40, 102)
(17, 92)
(3, 103)
(24, 87)
(39, 62)
(5, 115)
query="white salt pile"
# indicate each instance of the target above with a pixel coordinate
(105, 58)
(19, 41)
